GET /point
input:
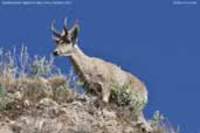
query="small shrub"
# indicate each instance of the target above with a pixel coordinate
(43, 67)
(126, 96)
(160, 124)
(3, 99)
(34, 89)
(2, 91)
(59, 87)
(157, 119)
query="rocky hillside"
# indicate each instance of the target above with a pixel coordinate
(49, 106)
(36, 99)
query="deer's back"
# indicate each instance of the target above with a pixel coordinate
(107, 73)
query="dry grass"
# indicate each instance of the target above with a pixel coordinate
(35, 97)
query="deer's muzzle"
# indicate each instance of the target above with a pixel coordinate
(55, 53)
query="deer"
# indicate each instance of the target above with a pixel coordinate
(97, 74)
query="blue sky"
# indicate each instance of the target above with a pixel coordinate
(156, 40)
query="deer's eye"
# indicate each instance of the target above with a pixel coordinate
(66, 40)
(61, 42)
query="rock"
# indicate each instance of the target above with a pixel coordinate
(18, 95)
(26, 103)
(109, 114)
(5, 129)
(47, 102)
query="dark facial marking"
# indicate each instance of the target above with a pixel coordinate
(55, 53)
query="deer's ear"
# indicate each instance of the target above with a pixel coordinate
(74, 33)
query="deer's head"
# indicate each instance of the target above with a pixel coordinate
(66, 40)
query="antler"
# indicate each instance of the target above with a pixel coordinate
(65, 26)
(55, 32)
(57, 36)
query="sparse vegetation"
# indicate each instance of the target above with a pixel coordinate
(21, 65)
(35, 97)
(125, 96)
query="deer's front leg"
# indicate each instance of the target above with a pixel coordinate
(105, 94)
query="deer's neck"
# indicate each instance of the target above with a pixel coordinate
(80, 61)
